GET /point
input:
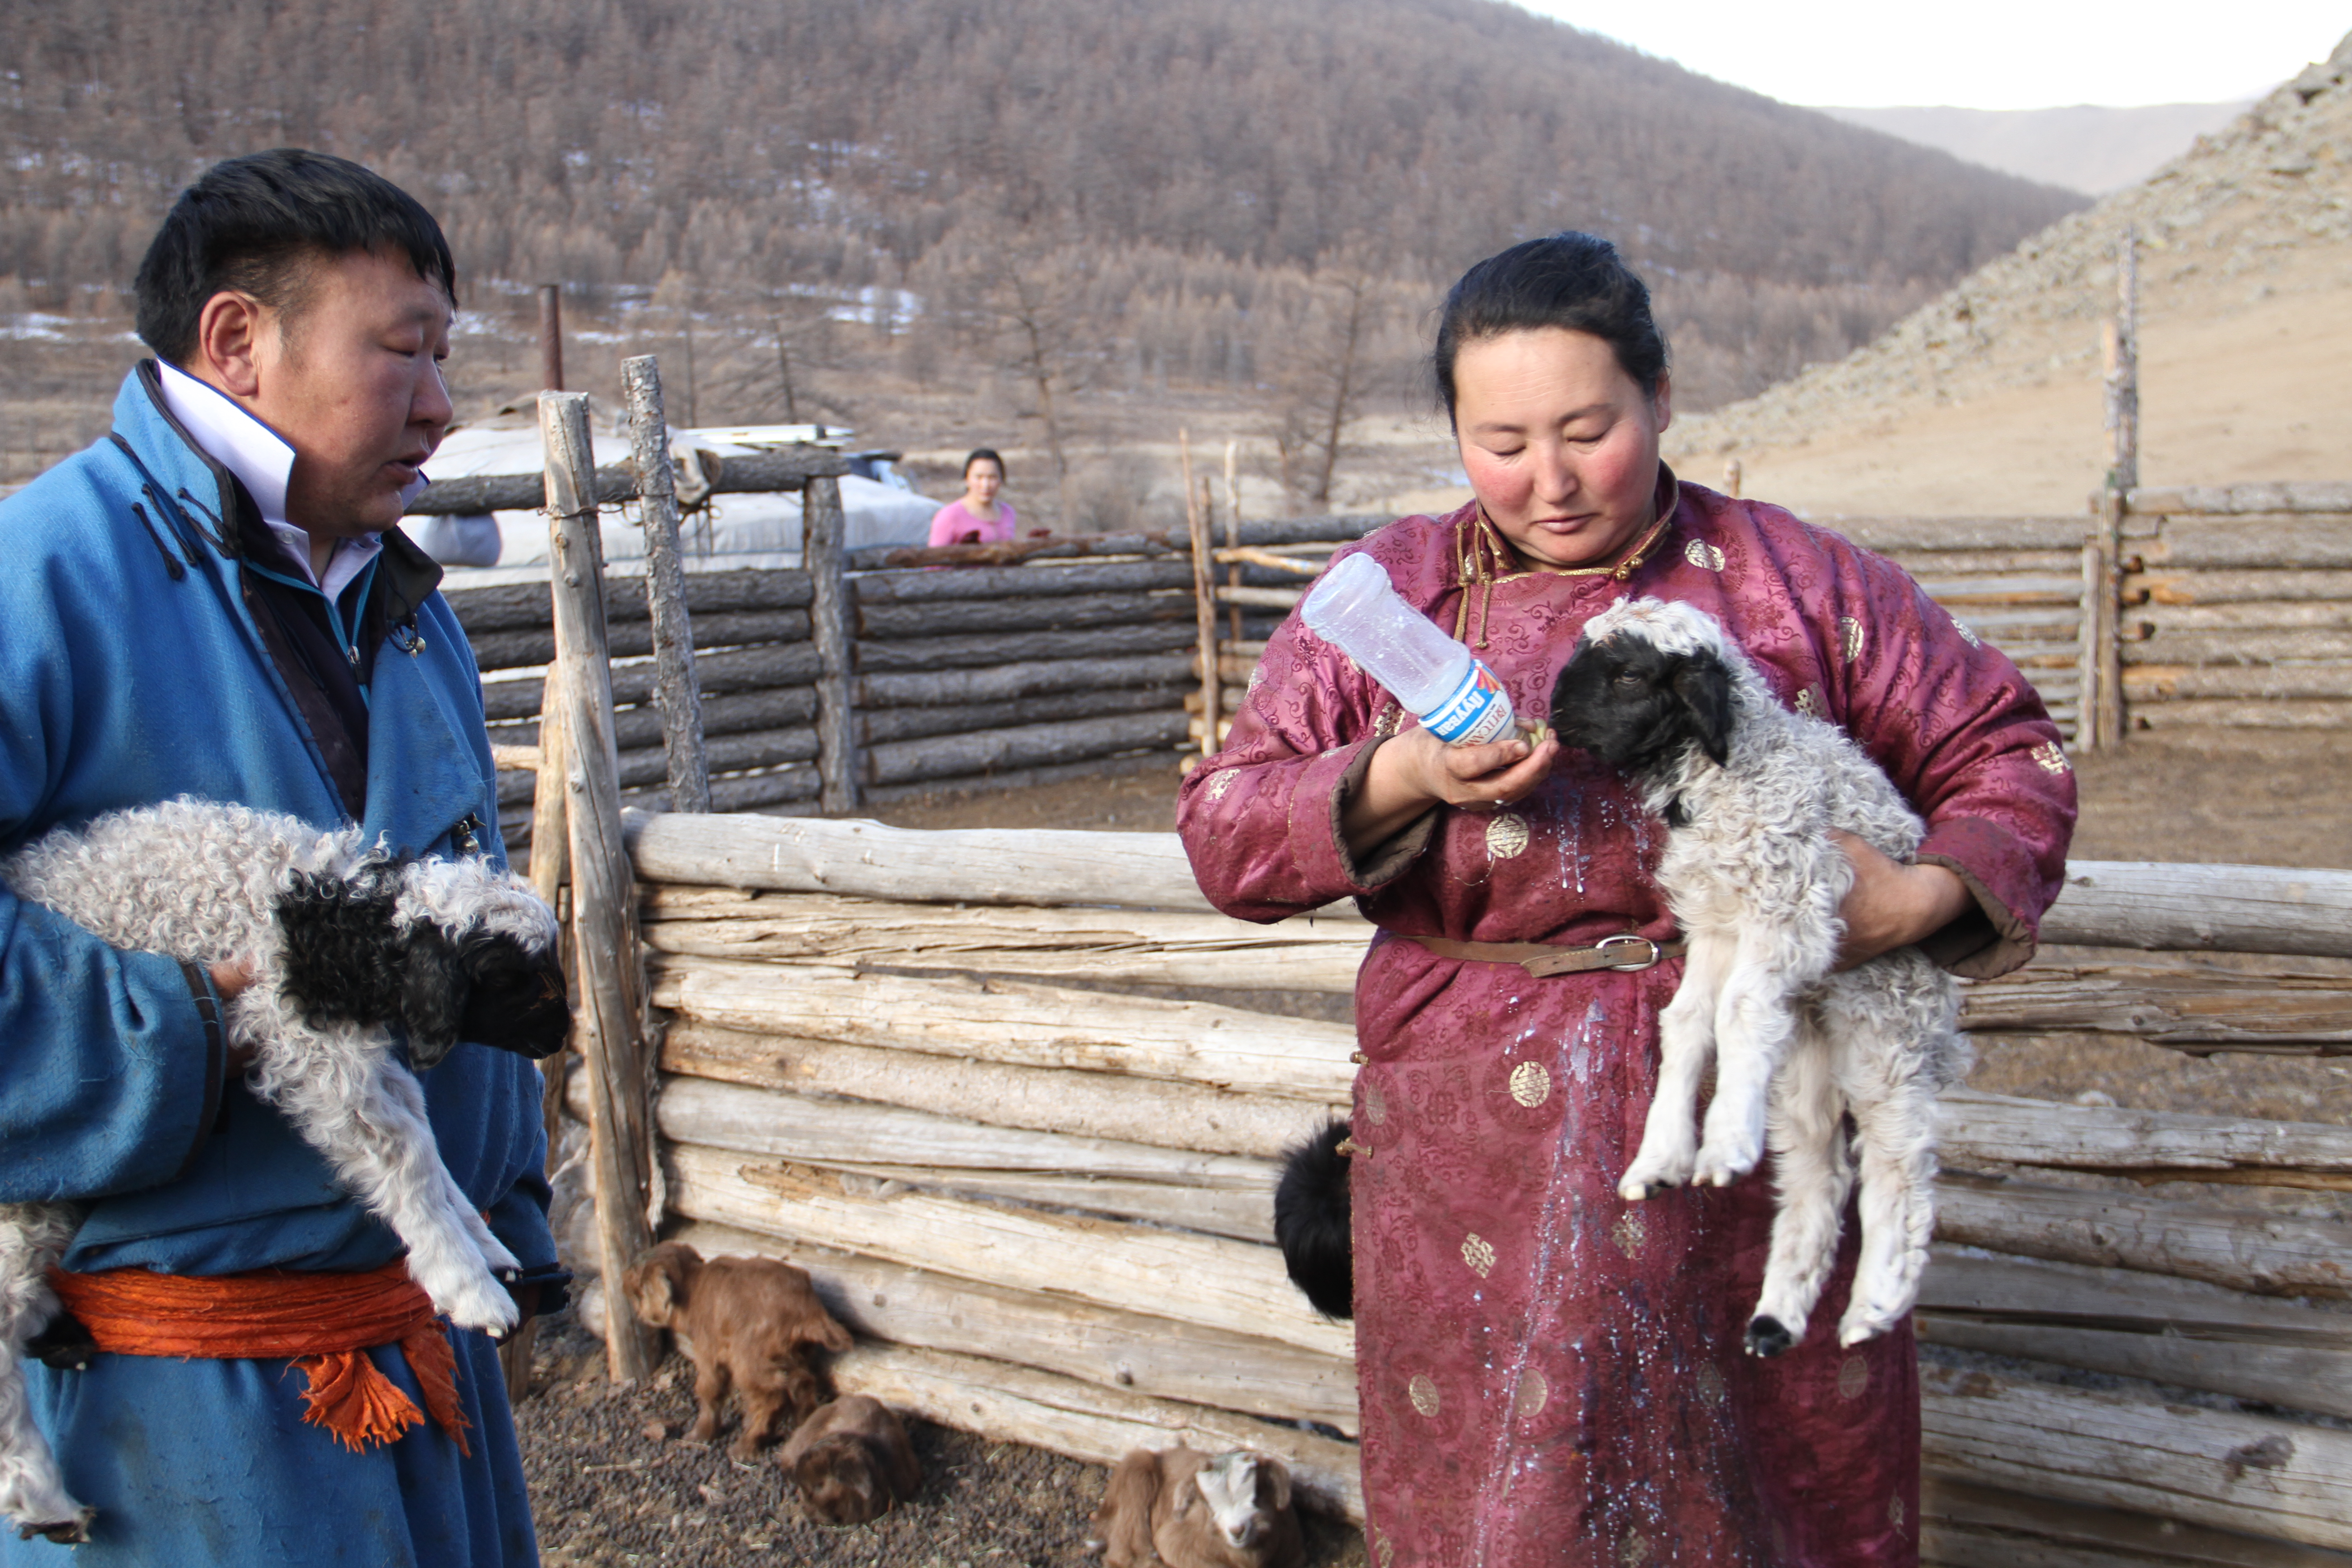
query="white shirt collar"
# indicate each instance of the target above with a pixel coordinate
(263, 462)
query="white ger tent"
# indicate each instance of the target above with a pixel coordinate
(736, 525)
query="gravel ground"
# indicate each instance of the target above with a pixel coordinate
(611, 1483)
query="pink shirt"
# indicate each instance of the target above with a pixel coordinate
(954, 521)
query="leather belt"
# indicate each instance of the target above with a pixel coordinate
(1628, 952)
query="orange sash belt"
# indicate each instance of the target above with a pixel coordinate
(324, 1323)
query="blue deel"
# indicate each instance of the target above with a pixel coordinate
(131, 671)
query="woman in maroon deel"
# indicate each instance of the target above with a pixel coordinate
(1550, 1374)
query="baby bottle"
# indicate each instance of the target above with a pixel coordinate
(1457, 697)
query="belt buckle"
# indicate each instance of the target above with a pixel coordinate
(1650, 962)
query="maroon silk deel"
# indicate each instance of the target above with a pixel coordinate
(1549, 1374)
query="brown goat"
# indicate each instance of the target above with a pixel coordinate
(753, 1318)
(851, 1461)
(1178, 1509)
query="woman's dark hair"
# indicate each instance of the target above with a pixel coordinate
(1573, 280)
(257, 224)
(983, 455)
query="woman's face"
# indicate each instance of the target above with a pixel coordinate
(983, 481)
(1560, 445)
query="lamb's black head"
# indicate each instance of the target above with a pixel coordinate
(447, 951)
(1636, 705)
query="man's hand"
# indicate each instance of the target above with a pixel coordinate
(1416, 771)
(228, 979)
(1892, 905)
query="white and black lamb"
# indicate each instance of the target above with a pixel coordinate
(1750, 793)
(344, 944)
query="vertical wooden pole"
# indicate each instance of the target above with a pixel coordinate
(549, 860)
(610, 1017)
(1204, 601)
(675, 695)
(824, 528)
(1733, 476)
(1232, 537)
(550, 337)
(2122, 368)
(2101, 724)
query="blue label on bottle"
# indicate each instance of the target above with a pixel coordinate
(1478, 711)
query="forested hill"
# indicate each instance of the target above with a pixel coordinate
(786, 144)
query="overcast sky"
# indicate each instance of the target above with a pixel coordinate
(1989, 53)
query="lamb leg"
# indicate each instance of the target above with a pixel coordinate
(33, 1494)
(1685, 1042)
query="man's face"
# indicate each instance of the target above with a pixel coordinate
(352, 381)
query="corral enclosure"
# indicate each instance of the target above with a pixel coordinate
(1014, 1099)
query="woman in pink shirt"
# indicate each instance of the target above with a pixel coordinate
(979, 518)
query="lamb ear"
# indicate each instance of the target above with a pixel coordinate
(659, 1293)
(433, 993)
(1273, 1477)
(1703, 686)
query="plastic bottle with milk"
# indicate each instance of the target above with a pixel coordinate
(1456, 695)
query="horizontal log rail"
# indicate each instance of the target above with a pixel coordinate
(1236, 1287)
(750, 473)
(2150, 1145)
(1091, 945)
(1018, 1022)
(2291, 497)
(2264, 1254)
(524, 606)
(2180, 1003)
(1087, 1422)
(1966, 1525)
(1189, 1116)
(2212, 1467)
(1156, 1357)
(2104, 903)
(2180, 587)
(1277, 531)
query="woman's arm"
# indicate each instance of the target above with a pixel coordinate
(1965, 737)
(1892, 905)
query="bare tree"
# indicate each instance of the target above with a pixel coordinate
(1022, 303)
(1330, 358)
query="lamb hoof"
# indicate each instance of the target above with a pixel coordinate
(74, 1531)
(484, 1306)
(1852, 1333)
(1766, 1337)
(1634, 1192)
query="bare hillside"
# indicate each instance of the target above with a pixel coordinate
(1988, 399)
(2080, 147)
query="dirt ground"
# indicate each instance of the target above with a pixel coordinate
(607, 1492)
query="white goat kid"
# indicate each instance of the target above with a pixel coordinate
(341, 943)
(1750, 793)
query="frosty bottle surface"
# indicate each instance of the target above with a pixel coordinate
(1458, 698)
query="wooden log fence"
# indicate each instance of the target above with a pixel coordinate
(1017, 1099)
(1011, 1098)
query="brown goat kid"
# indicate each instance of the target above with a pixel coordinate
(753, 1320)
(1178, 1509)
(852, 1462)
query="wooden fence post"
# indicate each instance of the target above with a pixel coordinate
(675, 695)
(550, 337)
(1204, 595)
(825, 553)
(2099, 725)
(610, 1018)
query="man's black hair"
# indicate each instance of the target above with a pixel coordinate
(257, 223)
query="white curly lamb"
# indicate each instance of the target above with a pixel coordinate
(1750, 793)
(341, 943)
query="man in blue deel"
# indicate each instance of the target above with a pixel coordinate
(215, 601)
